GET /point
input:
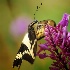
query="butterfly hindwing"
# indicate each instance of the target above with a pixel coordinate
(18, 60)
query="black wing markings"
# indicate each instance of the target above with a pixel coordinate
(28, 50)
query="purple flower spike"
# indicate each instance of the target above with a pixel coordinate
(58, 44)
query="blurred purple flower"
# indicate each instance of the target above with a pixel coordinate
(58, 43)
(19, 25)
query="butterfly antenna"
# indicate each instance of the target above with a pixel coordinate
(37, 8)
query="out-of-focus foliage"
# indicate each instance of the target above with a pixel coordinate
(10, 11)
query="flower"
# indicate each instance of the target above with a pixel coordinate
(19, 25)
(58, 43)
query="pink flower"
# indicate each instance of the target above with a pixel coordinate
(19, 25)
(58, 43)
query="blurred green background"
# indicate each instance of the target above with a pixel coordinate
(15, 15)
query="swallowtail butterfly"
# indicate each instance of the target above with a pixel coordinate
(28, 47)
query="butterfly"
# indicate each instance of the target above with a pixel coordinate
(28, 46)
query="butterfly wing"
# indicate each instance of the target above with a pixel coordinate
(28, 48)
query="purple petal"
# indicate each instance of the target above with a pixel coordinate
(42, 56)
(64, 34)
(43, 46)
(69, 35)
(64, 21)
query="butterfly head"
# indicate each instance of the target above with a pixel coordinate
(41, 27)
